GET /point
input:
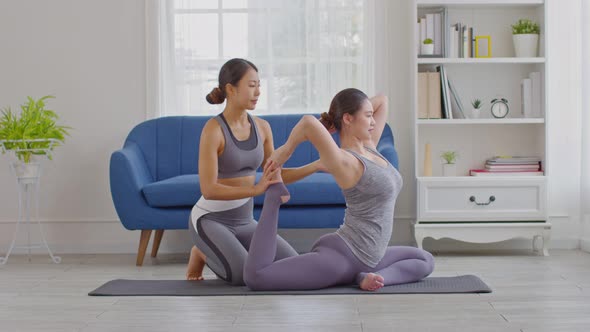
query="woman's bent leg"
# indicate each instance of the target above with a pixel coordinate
(323, 267)
(402, 264)
(225, 253)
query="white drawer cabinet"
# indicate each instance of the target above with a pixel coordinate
(483, 210)
(469, 199)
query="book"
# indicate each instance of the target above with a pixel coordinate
(423, 96)
(536, 99)
(446, 97)
(526, 98)
(484, 172)
(429, 105)
(504, 168)
(514, 159)
(434, 106)
(438, 37)
(458, 105)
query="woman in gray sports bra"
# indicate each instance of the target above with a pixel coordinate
(358, 252)
(233, 146)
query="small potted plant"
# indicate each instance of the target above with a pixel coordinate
(34, 132)
(476, 110)
(525, 35)
(449, 166)
(427, 47)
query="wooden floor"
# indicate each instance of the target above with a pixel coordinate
(530, 293)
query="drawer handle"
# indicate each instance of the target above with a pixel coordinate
(491, 199)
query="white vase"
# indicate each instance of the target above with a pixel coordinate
(525, 45)
(427, 49)
(475, 112)
(449, 169)
(27, 170)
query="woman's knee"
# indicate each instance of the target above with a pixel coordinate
(253, 279)
(428, 262)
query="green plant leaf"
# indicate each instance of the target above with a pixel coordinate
(34, 122)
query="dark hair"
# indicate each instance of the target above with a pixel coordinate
(347, 101)
(231, 72)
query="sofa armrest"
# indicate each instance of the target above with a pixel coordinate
(128, 174)
(388, 151)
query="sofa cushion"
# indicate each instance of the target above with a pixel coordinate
(182, 190)
(185, 190)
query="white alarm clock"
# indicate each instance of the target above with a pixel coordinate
(499, 108)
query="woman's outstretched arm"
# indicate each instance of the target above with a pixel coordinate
(335, 160)
(289, 175)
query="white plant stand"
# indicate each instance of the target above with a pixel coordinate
(28, 196)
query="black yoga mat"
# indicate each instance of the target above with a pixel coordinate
(216, 287)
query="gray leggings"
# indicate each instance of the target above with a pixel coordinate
(224, 237)
(329, 263)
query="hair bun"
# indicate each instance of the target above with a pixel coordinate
(327, 120)
(216, 96)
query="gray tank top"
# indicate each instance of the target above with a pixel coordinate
(368, 219)
(239, 158)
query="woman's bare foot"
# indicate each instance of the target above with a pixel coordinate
(196, 263)
(372, 282)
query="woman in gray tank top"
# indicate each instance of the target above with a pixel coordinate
(233, 146)
(358, 252)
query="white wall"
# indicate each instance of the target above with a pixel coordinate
(585, 198)
(90, 54)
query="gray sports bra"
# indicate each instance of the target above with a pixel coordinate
(239, 158)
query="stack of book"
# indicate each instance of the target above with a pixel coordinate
(507, 166)
(437, 96)
(431, 24)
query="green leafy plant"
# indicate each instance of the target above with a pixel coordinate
(428, 41)
(449, 156)
(34, 123)
(525, 26)
(476, 103)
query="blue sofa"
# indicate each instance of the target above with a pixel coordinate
(154, 178)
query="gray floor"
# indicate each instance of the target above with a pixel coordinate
(531, 293)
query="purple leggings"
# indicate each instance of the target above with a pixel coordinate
(329, 263)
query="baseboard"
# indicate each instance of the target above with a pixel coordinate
(108, 237)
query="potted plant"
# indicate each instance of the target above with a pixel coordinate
(449, 166)
(525, 35)
(476, 110)
(427, 47)
(32, 133)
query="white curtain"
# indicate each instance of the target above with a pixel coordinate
(585, 61)
(305, 50)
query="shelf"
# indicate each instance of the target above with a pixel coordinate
(421, 3)
(479, 121)
(435, 61)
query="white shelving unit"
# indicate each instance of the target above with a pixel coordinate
(492, 208)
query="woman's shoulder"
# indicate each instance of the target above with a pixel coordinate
(262, 124)
(211, 129)
(260, 121)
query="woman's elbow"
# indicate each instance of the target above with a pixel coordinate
(207, 192)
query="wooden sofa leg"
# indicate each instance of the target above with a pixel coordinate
(143, 244)
(157, 240)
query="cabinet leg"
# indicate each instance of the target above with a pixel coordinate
(541, 249)
(419, 238)
(546, 237)
(535, 244)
